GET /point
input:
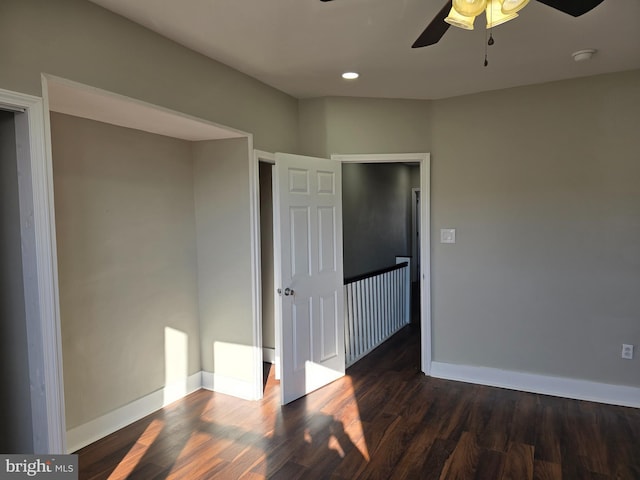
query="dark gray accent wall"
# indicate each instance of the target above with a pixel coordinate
(266, 246)
(376, 215)
(15, 405)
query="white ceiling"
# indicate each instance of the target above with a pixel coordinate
(302, 46)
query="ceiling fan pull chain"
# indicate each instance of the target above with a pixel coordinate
(488, 42)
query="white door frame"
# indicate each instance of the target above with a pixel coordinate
(424, 159)
(40, 271)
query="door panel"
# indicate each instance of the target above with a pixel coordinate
(299, 240)
(308, 199)
(301, 324)
(328, 320)
(327, 238)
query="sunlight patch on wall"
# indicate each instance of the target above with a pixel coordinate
(233, 360)
(176, 364)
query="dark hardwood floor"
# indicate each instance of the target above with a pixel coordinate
(383, 420)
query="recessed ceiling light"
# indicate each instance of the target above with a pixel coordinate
(350, 75)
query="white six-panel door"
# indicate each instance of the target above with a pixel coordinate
(308, 226)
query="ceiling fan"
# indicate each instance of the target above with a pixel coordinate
(437, 28)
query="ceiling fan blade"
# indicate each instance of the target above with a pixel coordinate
(573, 7)
(435, 30)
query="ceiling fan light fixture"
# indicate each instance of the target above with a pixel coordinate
(470, 8)
(495, 15)
(459, 21)
(513, 6)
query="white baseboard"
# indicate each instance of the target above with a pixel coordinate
(100, 427)
(228, 385)
(546, 385)
(268, 355)
(89, 432)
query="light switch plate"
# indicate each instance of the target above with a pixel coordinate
(447, 235)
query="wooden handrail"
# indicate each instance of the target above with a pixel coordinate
(374, 273)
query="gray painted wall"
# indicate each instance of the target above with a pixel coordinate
(543, 187)
(80, 41)
(125, 228)
(15, 404)
(376, 213)
(364, 125)
(543, 190)
(266, 246)
(133, 262)
(221, 173)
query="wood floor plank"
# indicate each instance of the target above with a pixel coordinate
(436, 458)
(546, 470)
(383, 420)
(548, 434)
(518, 464)
(463, 461)
(289, 471)
(490, 465)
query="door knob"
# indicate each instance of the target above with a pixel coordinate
(288, 291)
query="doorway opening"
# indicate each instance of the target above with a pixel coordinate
(422, 284)
(40, 319)
(420, 201)
(16, 427)
(265, 178)
(381, 222)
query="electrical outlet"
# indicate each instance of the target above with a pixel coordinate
(627, 351)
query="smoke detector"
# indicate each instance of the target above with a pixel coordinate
(582, 55)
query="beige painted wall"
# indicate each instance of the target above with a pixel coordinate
(221, 175)
(80, 41)
(542, 184)
(125, 229)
